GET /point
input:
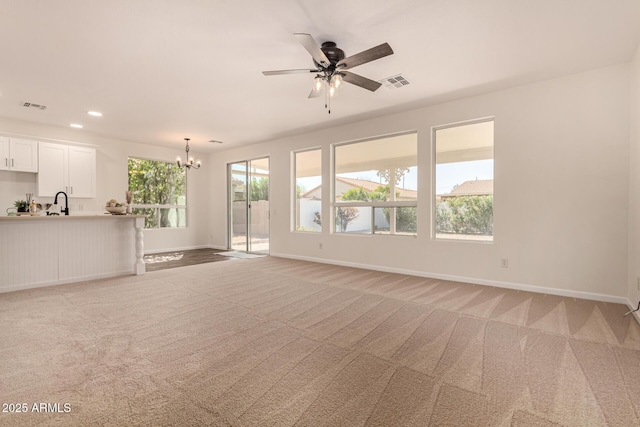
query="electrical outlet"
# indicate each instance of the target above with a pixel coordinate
(504, 262)
(319, 245)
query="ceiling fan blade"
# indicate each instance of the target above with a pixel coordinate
(357, 80)
(365, 56)
(296, 71)
(313, 48)
(314, 94)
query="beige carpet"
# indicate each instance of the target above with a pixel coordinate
(269, 341)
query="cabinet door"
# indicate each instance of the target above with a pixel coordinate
(24, 155)
(53, 169)
(4, 153)
(82, 172)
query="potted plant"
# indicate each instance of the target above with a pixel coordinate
(21, 205)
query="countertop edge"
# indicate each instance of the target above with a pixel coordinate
(66, 217)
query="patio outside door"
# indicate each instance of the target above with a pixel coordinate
(249, 205)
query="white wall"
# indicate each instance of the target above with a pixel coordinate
(111, 181)
(561, 188)
(634, 185)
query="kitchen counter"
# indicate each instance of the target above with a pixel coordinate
(45, 250)
(57, 217)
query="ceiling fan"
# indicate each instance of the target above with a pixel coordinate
(331, 66)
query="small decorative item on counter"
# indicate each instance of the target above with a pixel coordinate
(128, 195)
(21, 205)
(32, 207)
(115, 208)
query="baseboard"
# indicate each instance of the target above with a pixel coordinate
(64, 281)
(507, 285)
(632, 306)
(222, 248)
(184, 248)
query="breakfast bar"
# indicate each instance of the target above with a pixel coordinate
(38, 251)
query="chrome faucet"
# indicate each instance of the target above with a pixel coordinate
(66, 202)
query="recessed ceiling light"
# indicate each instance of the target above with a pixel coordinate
(95, 113)
(76, 125)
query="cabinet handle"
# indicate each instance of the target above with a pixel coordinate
(12, 163)
(71, 190)
(6, 161)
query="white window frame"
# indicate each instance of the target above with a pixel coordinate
(434, 204)
(157, 207)
(294, 199)
(371, 204)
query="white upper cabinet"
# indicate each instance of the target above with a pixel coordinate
(5, 159)
(67, 168)
(20, 155)
(82, 172)
(53, 169)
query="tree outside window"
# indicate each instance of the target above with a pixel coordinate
(159, 192)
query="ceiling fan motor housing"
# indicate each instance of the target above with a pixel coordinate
(333, 53)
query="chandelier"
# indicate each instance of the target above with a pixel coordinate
(190, 163)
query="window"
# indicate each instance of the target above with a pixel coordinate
(159, 192)
(464, 181)
(307, 166)
(376, 185)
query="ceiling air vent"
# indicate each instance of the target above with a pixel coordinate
(395, 82)
(34, 105)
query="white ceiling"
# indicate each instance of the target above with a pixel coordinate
(163, 70)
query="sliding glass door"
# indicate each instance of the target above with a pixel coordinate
(249, 205)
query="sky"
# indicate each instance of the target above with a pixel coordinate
(450, 174)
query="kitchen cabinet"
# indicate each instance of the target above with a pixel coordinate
(19, 155)
(67, 168)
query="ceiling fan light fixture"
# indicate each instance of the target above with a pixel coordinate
(336, 80)
(317, 84)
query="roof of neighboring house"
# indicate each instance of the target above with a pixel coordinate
(368, 186)
(478, 187)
